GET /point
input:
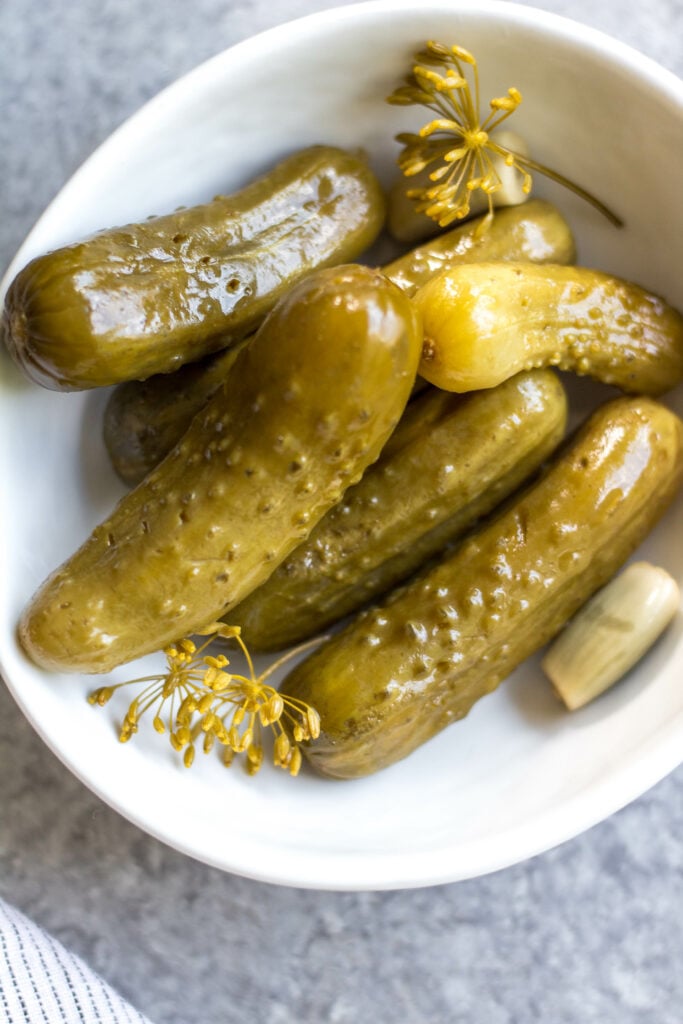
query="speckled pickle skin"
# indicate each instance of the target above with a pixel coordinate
(451, 460)
(487, 322)
(144, 420)
(404, 670)
(147, 298)
(313, 398)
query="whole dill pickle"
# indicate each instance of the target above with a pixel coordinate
(143, 421)
(451, 459)
(309, 404)
(485, 323)
(147, 298)
(406, 669)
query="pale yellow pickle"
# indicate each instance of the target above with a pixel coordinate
(486, 322)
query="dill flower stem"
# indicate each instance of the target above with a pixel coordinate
(246, 654)
(532, 165)
(490, 124)
(284, 658)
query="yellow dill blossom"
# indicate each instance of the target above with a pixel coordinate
(197, 697)
(458, 141)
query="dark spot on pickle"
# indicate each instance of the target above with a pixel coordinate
(325, 189)
(233, 284)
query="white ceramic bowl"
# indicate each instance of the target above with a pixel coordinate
(518, 775)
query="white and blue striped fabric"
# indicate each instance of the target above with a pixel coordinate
(42, 983)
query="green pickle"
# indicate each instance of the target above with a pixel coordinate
(143, 421)
(146, 298)
(317, 393)
(451, 460)
(534, 232)
(407, 668)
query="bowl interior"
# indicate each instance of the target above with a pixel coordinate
(518, 775)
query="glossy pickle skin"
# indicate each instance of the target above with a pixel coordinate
(487, 322)
(404, 670)
(143, 421)
(146, 298)
(534, 232)
(310, 403)
(450, 461)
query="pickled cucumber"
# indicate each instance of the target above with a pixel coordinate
(143, 421)
(451, 459)
(147, 298)
(535, 231)
(485, 323)
(406, 669)
(319, 390)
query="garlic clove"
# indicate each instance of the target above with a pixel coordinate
(610, 633)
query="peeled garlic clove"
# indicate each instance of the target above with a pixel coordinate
(404, 222)
(611, 633)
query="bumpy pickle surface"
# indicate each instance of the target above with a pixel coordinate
(144, 420)
(487, 322)
(406, 669)
(451, 460)
(308, 406)
(147, 298)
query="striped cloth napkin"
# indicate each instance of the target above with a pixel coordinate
(42, 983)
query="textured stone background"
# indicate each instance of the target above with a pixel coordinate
(591, 933)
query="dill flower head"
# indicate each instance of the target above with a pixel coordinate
(198, 699)
(458, 143)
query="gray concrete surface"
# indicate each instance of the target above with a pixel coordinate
(591, 933)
